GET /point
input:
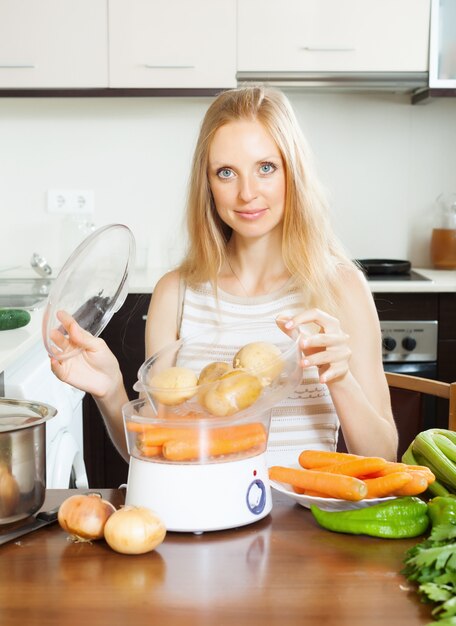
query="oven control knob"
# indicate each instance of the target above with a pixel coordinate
(408, 343)
(389, 343)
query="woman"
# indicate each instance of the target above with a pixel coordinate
(260, 245)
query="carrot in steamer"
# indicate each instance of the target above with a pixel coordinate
(333, 485)
(194, 448)
(159, 435)
(135, 427)
(151, 450)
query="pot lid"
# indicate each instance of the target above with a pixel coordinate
(19, 414)
(384, 266)
(91, 286)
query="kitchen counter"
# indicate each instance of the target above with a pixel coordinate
(441, 281)
(14, 343)
(282, 570)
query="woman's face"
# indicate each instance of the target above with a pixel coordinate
(247, 178)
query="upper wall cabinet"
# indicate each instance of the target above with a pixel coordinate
(333, 35)
(53, 44)
(442, 58)
(172, 44)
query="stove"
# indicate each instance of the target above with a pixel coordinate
(407, 276)
(390, 269)
(409, 341)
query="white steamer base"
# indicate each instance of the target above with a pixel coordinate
(198, 498)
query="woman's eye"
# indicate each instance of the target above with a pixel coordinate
(267, 168)
(225, 173)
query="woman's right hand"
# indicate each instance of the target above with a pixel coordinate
(94, 369)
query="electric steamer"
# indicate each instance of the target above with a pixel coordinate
(205, 488)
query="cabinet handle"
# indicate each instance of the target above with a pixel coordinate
(169, 67)
(315, 49)
(17, 66)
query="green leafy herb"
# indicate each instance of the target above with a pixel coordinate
(431, 564)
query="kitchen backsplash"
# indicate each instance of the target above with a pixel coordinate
(382, 160)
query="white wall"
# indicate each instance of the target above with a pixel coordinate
(383, 161)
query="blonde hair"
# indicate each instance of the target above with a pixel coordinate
(310, 250)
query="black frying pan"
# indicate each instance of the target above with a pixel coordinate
(384, 266)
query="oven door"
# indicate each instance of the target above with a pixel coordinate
(412, 412)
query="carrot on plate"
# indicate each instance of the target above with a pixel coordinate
(332, 485)
(386, 485)
(314, 459)
(356, 467)
(418, 484)
(391, 468)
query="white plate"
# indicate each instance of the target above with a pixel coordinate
(326, 504)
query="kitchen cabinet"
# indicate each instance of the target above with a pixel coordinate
(410, 415)
(307, 35)
(53, 44)
(172, 44)
(442, 58)
(447, 348)
(69, 44)
(426, 306)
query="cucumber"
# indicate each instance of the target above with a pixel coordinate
(13, 318)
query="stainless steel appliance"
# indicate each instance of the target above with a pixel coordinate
(410, 347)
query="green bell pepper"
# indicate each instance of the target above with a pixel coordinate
(442, 510)
(393, 519)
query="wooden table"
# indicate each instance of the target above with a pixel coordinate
(283, 570)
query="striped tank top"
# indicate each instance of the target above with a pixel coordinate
(307, 418)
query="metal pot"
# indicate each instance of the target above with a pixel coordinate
(22, 457)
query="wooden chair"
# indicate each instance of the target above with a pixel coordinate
(429, 387)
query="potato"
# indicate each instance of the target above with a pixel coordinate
(213, 371)
(9, 492)
(209, 374)
(261, 358)
(234, 391)
(173, 385)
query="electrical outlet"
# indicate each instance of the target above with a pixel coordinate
(70, 201)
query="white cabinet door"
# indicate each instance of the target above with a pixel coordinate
(333, 35)
(172, 43)
(53, 43)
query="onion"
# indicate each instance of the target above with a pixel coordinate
(134, 530)
(84, 516)
(9, 492)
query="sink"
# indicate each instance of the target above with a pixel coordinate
(24, 293)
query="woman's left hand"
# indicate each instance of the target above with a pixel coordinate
(327, 349)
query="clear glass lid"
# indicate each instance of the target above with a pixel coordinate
(91, 287)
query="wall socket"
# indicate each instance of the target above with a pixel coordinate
(70, 201)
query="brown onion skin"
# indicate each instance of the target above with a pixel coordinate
(84, 516)
(134, 530)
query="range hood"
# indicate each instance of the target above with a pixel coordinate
(395, 82)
